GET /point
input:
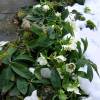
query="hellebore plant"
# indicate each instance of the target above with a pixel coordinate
(45, 60)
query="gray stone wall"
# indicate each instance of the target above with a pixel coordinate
(7, 10)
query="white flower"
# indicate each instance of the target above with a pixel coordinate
(60, 58)
(33, 96)
(37, 6)
(26, 24)
(71, 45)
(32, 70)
(46, 8)
(58, 14)
(70, 67)
(45, 72)
(72, 88)
(42, 60)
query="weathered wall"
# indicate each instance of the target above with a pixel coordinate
(7, 10)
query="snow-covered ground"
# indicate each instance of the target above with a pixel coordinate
(93, 51)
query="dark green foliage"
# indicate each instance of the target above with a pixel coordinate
(90, 24)
(81, 2)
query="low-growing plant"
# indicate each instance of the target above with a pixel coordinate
(46, 57)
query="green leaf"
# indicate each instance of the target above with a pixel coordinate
(65, 14)
(90, 24)
(37, 30)
(40, 42)
(22, 86)
(94, 66)
(37, 73)
(85, 43)
(7, 86)
(31, 89)
(89, 73)
(21, 70)
(24, 57)
(55, 79)
(82, 74)
(68, 28)
(65, 81)
(14, 92)
(8, 55)
(41, 81)
(5, 76)
(79, 48)
(62, 95)
(80, 63)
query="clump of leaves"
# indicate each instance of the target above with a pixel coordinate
(90, 24)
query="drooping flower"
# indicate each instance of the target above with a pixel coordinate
(26, 24)
(46, 8)
(73, 88)
(70, 67)
(31, 69)
(45, 72)
(60, 58)
(58, 14)
(42, 60)
(33, 96)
